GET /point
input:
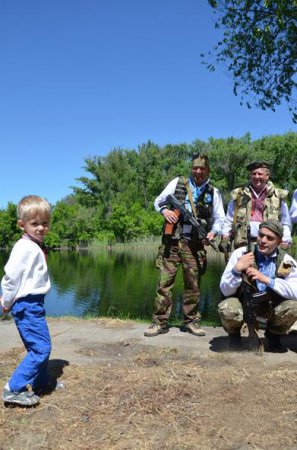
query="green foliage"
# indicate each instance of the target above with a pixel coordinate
(72, 224)
(129, 224)
(228, 158)
(52, 240)
(281, 152)
(9, 230)
(259, 48)
(105, 237)
(112, 176)
(114, 203)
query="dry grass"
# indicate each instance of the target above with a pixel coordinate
(161, 399)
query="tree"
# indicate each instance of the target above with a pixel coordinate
(9, 230)
(113, 179)
(228, 159)
(72, 224)
(259, 47)
(281, 153)
(147, 163)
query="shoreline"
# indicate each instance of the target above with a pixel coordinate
(70, 335)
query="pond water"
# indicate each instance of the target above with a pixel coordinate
(119, 284)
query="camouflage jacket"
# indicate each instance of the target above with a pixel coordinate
(242, 198)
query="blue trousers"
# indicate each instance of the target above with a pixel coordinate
(29, 316)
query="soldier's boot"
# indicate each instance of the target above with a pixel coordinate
(194, 328)
(273, 343)
(235, 342)
(156, 328)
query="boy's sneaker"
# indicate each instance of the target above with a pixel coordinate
(194, 328)
(25, 398)
(155, 328)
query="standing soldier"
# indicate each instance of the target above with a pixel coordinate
(184, 246)
(257, 201)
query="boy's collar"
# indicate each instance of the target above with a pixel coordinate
(31, 238)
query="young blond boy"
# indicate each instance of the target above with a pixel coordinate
(24, 285)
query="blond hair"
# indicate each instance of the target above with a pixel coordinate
(33, 205)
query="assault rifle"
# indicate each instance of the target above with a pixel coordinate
(188, 217)
(249, 315)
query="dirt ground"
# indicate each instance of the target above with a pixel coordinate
(157, 398)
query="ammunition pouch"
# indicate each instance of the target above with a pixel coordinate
(284, 269)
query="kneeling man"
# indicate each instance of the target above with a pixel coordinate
(273, 273)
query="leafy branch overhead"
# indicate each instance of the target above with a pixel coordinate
(259, 48)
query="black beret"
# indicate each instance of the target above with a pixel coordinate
(257, 165)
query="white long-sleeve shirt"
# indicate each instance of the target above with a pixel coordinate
(293, 209)
(218, 213)
(285, 220)
(25, 272)
(230, 281)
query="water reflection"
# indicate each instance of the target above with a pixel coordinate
(119, 284)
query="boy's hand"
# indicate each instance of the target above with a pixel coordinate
(4, 310)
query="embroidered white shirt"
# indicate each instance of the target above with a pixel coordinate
(25, 272)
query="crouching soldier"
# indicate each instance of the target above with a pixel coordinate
(272, 273)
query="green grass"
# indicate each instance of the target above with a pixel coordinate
(148, 243)
(128, 318)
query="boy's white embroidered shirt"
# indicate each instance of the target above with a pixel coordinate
(25, 273)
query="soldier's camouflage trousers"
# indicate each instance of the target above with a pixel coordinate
(192, 258)
(280, 320)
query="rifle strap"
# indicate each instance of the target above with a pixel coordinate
(236, 208)
(186, 183)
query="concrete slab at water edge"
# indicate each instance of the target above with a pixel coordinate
(92, 341)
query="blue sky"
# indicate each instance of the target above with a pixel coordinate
(81, 77)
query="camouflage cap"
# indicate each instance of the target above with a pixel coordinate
(273, 225)
(257, 165)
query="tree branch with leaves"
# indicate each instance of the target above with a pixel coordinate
(259, 48)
